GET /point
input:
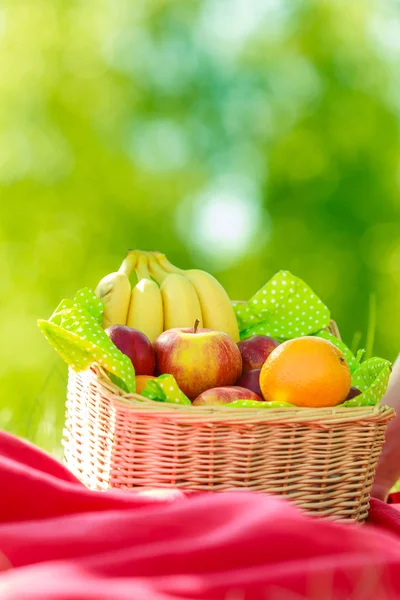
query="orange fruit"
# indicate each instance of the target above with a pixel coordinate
(306, 371)
(141, 381)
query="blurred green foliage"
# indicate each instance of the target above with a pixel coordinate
(238, 136)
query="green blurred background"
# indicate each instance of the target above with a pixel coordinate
(240, 136)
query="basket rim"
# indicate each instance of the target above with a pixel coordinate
(135, 402)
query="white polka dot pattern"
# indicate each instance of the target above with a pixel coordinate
(165, 389)
(284, 308)
(243, 315)
(90, 302)
(257, 404)
(371, 378)
(75, 331)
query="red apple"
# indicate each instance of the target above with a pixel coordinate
(353, 393)
(255, 351)
(136, 345)
(199, 359)
(223, 395)
(251, 381)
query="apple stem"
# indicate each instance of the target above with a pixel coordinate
(196, 324)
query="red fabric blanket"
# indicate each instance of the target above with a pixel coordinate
(61, 541)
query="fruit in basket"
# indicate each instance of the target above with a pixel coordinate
(353, 393)
(181, 304)
(114, 290)
(216, 308)
(251, 381)
(255, 351)
(199, 359)
(146, 306)
(136, 346)
(306, 371)
(180, 298)
(141, 382)
(223, 395)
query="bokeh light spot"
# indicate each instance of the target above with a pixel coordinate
(159, 146)
(223, 221)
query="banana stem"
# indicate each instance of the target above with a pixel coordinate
(142, 270)
(156, 270)
(129, 262)
(165, 264)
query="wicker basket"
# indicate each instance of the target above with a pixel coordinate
(324, 460)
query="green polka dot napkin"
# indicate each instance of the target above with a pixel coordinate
(284, 308)
(75, 331)
(244, 317)
(371, 378)
(165, 389)
(257, 404)
(86, 299)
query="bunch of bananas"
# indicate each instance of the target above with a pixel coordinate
(164, 297)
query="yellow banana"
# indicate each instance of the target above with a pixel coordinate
(129, 262)
(155, 268)
(216, 307)
(180, 301)
(114, 290)
(146, 307)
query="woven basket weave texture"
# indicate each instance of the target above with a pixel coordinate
(324, 460)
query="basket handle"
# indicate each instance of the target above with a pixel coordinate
(334, 329)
